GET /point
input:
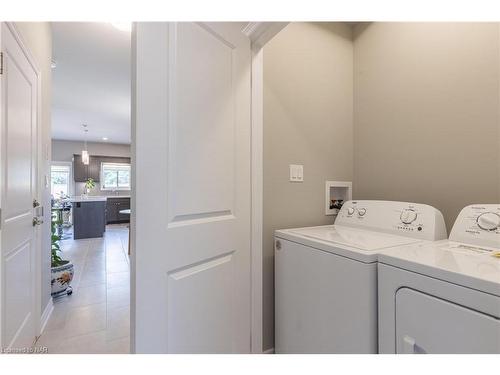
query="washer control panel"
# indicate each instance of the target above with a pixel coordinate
(400, 218)
(478, 225)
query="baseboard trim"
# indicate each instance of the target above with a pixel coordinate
(47, 312)
(268, 351)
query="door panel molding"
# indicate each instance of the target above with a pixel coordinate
(206, 87)
(201, 218)
(197, 267)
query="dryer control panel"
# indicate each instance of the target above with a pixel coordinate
(478, 225)
(400, 218)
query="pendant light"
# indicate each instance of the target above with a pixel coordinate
(85, 153)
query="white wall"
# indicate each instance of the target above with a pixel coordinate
(63, 151)
(308, 94)
(38, 38)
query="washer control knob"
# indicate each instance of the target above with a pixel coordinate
(408, 216)
(361, 211)
(488, 221)
(350, 211)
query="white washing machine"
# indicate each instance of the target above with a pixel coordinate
(444, 297)
(326, 277)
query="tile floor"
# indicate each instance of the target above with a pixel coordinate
(95, 318)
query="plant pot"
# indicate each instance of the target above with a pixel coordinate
(61, 279)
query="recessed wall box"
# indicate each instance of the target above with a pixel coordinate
(336, 193)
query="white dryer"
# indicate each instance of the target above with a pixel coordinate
(444, 297)
(326, 277)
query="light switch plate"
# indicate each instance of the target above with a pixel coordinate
(296, 173)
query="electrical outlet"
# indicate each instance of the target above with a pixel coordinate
(296, 173)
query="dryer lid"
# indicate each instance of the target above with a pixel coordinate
(357, 238)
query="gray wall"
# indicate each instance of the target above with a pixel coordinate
(308, 94)
(38, 39)
(64, 151)
(426, 109)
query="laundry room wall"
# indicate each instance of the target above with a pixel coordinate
(38, 38)
(308, 94)
(426, 109)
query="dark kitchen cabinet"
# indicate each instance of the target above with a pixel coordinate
(88, 219)
(93, 170)
(80, 170)
(113, 208)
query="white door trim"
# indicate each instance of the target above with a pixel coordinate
(38, 234)
(259, 33)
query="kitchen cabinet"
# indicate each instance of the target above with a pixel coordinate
(82, 172)
(95, 168)
(113, 208)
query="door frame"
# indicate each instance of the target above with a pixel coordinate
(259, 34)
(39, 183)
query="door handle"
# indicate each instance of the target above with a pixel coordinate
(409, 345)
(37, 221)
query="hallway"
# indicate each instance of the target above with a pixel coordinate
(96, 317)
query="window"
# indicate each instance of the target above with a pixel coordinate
(60, 176)
(115, 176)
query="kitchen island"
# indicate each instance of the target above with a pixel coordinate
(89, 217)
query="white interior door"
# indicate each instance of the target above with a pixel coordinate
(19, 95)
(192, 187)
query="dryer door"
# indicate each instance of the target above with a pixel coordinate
(426, 324)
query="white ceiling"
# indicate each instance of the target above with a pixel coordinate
(91, 82)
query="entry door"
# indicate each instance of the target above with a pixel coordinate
(192, 139)
(19, 89)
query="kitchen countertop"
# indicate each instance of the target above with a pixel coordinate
(88, 199)
(96, 198)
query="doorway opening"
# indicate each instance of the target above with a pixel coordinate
(91, 189)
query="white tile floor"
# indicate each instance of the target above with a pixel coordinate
(96, 317)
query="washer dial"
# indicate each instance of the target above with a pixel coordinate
(488, 221)
(361, 211)
(408, 216)
(350, 211)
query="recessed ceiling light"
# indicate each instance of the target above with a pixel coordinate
(104, 138)
(123, 26)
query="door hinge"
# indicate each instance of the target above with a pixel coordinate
(1, 62)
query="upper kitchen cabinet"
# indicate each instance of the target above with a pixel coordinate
(93, 170)
(82, 172)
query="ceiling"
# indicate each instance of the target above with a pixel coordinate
(91, 82)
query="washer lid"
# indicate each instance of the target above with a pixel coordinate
(354, 237)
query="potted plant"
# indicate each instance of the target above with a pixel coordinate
(89, 185)
(61, 270)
